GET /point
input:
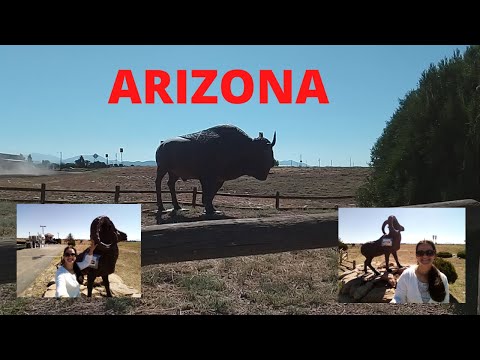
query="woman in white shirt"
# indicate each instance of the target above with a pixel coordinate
(66, 279)
(422, 283)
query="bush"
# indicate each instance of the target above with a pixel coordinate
(447, 268)
(342, 246)
(461, 254)
(444, 254)
(70, 240)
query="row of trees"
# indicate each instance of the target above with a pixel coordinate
(79, 163)
(429, 151)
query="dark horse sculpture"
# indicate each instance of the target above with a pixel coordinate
(212, 156)
(386, 245)
(103, 233)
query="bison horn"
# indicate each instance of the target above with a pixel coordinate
(383, 226)
(274, 138)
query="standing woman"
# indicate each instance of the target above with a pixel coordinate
(422, 283)
(66, 278)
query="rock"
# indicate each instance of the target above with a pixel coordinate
(354, 283)
(52, 287)
(120, 289)
(349, 278)
(49, 293)
(361, 291)
(345, 273)
(379, 295)
(114, 278)
(117, 287)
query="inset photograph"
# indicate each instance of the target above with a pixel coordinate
(75, 250)
(401, 255)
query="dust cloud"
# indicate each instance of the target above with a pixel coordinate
(25, 169)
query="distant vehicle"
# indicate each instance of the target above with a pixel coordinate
(52, 241)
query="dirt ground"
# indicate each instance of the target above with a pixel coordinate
(297, 282)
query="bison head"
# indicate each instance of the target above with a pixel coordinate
(104, 233)
(262, 157)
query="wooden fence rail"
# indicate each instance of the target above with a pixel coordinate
(237, 237)
(117, 192)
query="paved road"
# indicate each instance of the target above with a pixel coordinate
(8, 260)
(32, 262)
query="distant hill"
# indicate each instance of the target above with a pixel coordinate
(36, 157)
(292, 163)
(140, 163)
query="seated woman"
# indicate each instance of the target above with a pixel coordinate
(66, 278)
(422, 283)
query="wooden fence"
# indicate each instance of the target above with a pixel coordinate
(117, 192)
(343, 259)
(237, 237)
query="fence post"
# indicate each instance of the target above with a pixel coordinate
(117, 193)
(354, 264)
(42, 194)
(194, 197)
(277, 200)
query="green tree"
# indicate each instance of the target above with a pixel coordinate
(429, 150)
(80, 162)
(70, 240)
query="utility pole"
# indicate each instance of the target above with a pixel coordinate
(43, 226)
(318, 162)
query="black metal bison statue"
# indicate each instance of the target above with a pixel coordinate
(212, 156)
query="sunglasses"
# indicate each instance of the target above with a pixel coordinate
(69, 254)
(425, 252)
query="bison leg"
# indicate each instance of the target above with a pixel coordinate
(396, 259)
(106, 283)
(90, 280)
(209, 190)
(172, 179)
(158, 183)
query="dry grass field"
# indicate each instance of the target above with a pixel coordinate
(296, 282)
(406, 256)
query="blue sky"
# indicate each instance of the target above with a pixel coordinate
(359, 225)
(62, 219)
(55, 98)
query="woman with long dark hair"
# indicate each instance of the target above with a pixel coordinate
(422, 283)
(67, 275)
